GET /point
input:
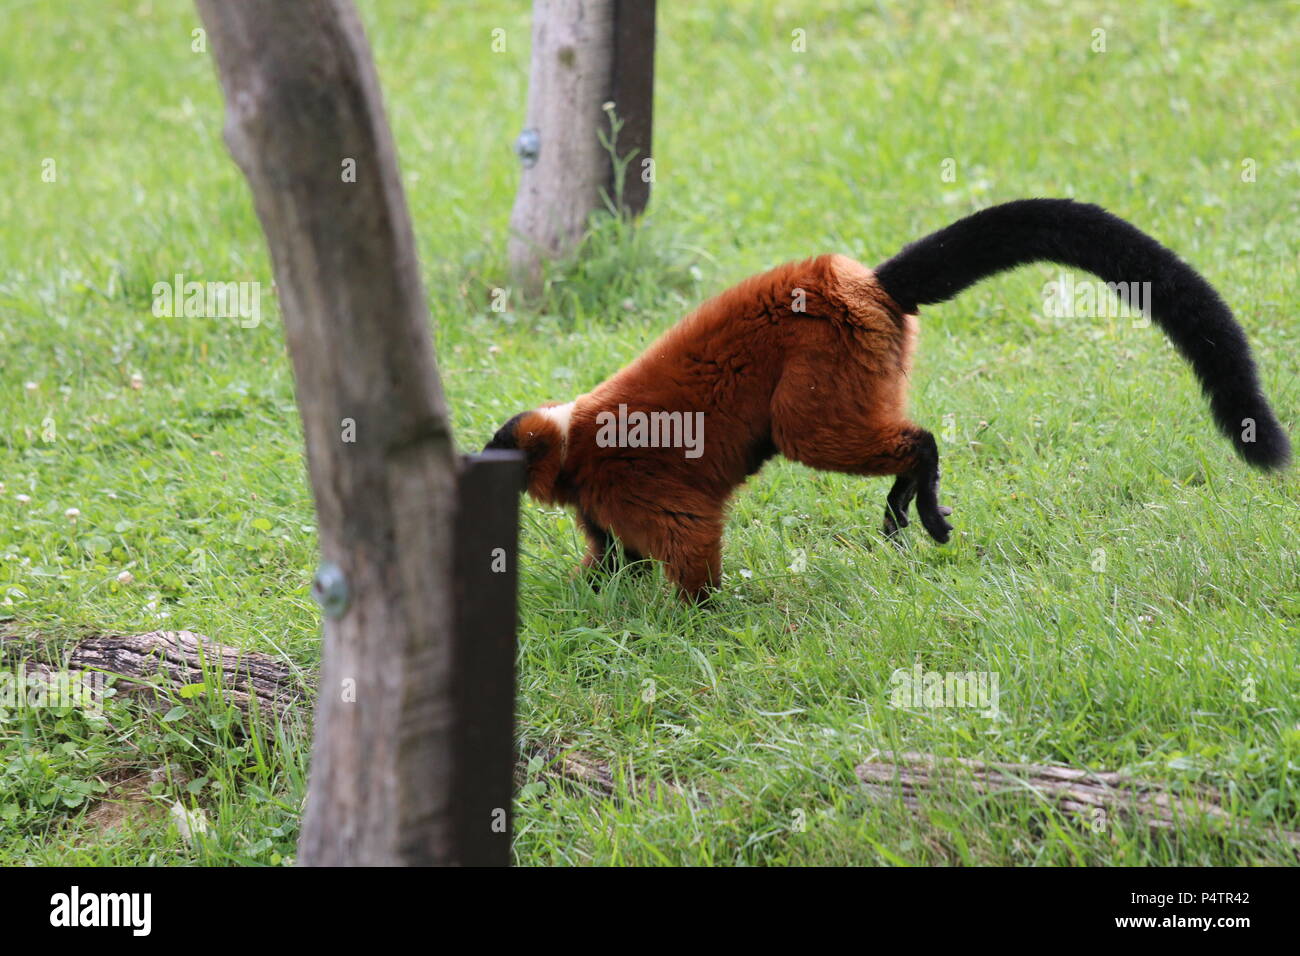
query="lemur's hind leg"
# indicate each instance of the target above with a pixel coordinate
(920, 481)
(824, 437)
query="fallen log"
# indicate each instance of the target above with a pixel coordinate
(596, 776)
(144, 664)
(1093, 795)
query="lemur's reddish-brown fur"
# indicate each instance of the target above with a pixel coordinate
(812, 360)
(825, 386)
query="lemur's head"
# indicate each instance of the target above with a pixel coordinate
(542, 435)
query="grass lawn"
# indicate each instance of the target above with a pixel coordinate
(1132, 585)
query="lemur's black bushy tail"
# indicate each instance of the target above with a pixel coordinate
(1087, 237)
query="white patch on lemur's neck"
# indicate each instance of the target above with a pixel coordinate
(560, 414)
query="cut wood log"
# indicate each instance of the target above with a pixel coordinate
(912, 778)
(576, 768)
(169, 660)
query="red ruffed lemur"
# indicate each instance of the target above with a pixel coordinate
(812, 360)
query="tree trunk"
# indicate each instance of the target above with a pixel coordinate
(586, 54)
(305, 122)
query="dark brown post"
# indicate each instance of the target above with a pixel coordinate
(483, 659)
(389, 774)
(633, 96)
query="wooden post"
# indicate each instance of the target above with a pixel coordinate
(633, 94)
(586, 53)
(305, 122)
(483, 658)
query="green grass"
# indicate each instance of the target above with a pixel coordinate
(1068, 445)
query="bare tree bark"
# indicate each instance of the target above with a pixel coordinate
(305, 122)
(586, 54)
(564, 165)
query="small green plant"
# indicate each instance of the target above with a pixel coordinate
(622, 263)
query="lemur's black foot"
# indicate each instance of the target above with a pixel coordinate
(931, 513)
(934, 523)
(921, 483)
